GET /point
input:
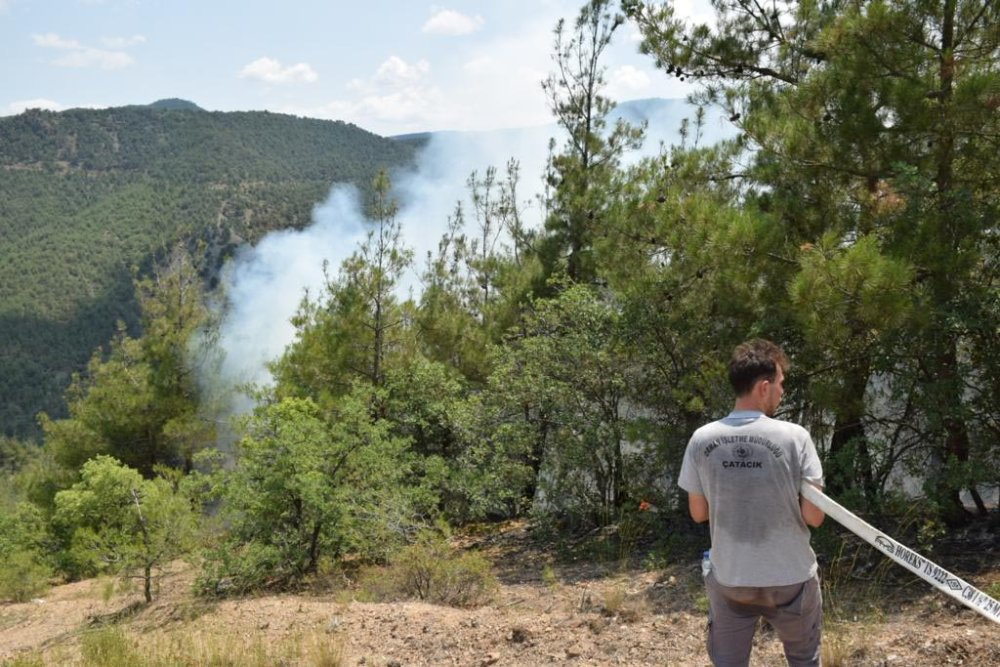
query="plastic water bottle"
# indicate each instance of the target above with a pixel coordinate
(706, 563)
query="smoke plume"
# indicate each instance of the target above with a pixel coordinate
(265, 284)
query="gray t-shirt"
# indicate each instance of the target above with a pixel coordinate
(750, 467)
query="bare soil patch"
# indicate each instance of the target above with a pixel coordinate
(581, 612)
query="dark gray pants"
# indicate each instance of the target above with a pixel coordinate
(795, 612)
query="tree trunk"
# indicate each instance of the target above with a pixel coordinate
(314, 548)
(956, 436)
(949, 383)
(849, 464)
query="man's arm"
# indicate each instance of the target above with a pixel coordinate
(698, 506)
(812, 515)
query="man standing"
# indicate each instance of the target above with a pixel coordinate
(742, 474)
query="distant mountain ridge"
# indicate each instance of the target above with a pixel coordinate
(175, 103)
(203, 146)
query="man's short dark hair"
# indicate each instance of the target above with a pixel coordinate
(755, 360)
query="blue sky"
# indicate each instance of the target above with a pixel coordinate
(388, 66)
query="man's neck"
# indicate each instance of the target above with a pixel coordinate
(745, 403)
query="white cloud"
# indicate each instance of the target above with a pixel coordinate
(395, 72)
(695, 11)
(634, 34)
(478, 65)
(488, 83)
(402, 106)
(79, 55)
(123, 42)
(95, 58)
(626, 82)
(51, 40)
(450, 22)
(21, 106)
(494, 84)
(270, 70)
(399, 95)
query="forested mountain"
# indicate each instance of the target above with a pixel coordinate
(88, 196)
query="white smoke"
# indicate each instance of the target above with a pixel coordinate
(265, 284)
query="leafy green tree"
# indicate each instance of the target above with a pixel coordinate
(449, 329)
(475, 287)
(693, 272)
(14, 454)
(571, 375)
(420, 399)
(108, 410)
(457, 435)
(376, 271)
(311, 483)
(115, 520)
(177, 338)
(845, 296)
(494, 474)
(419, 362)
(357, 326)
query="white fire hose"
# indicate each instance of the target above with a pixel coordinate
(930, 572)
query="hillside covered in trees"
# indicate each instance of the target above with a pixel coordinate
(90, 196)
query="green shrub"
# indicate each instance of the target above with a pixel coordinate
(431, 571)
(993, 590)
(116, 646)
(23, 576)
(627, 608)
(114, 520)
(24, 572)
(237, 570)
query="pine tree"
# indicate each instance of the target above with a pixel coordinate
(580, 177)
(873, 127)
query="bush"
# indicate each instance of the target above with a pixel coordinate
(114, 520)
(238, 570)
(24, 572)
(431, 571)
(23, 576)
(627, 608)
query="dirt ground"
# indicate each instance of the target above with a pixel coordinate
(573, 613)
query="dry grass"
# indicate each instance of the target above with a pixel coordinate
(836, 648)
(114, 646)
(628, 607)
